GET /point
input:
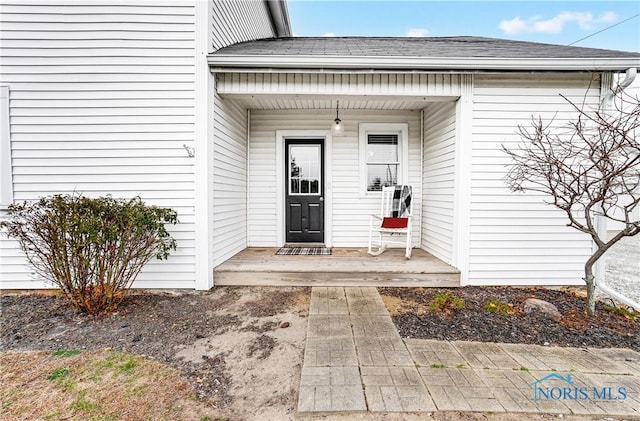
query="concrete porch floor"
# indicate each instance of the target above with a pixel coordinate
(345, 267)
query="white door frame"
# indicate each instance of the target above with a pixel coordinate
(281, 136)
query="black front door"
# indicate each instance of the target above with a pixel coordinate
(304, 190)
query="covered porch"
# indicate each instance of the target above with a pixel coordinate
(344, 267)
(261, 116)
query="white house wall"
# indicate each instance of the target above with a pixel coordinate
(229, 179)
(351, 208)
(239, 20)
(100, 108)
(102, 101)
(515, 238)
(438, 180)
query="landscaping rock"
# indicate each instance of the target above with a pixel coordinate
(543, 308)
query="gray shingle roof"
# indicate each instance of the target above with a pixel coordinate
(463, 47)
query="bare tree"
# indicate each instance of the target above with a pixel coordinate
(590, 168)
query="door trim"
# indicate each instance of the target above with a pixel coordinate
(281, 137)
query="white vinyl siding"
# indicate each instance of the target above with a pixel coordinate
(351, 208)
(438, 180)
(407, 85)
(515, 238)
(239, 20)
(229, 180)
(102, 102)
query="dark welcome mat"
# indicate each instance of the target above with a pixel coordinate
(304, 251)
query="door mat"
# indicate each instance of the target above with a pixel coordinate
(304, 251)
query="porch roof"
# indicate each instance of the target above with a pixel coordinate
(425, 53)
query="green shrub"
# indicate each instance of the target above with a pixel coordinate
(499, 307)
(92, 249)
(446, 303)
(624, 312)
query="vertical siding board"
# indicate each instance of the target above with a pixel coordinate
(516, 238)
(344, 84)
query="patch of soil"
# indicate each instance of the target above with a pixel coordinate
(409, 308)
(197, 333)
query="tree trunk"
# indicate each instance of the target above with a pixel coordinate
(591, 289)
(590, 280)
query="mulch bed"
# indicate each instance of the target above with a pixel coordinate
(410, 311)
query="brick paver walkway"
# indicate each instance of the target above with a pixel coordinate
(355, 360)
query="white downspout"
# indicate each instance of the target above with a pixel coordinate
(421, 176)
(600, 282)
(628, 80)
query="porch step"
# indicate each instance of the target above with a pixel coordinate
(345, 267)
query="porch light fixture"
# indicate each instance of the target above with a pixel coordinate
(337, 123)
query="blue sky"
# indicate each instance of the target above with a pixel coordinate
(561, 22)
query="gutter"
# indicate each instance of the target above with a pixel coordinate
(419, 63)
(279, 17)
(602, 285)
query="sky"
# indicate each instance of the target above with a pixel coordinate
(554, 22)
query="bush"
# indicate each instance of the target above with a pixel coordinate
(446, 303)
(92, 249)
(499, 307)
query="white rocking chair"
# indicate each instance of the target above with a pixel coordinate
(394, 220)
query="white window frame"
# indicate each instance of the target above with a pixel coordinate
(6, 179)
(399, 129)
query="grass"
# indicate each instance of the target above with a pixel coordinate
(58, 374)
(437, 366)
(445, 302)
(622, 311)
(65, 352)
(94, 385)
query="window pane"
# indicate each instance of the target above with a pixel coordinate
(295, 185)
(382, 148)
(381, 175)
(304, 169)
(315, 186)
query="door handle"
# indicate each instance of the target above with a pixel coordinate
(321, 199)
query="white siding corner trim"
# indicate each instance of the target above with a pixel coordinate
(402, 130)
(6, 179)
(204, 150)
(281, 136)
(463, 178)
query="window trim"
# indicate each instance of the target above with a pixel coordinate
(399, 129)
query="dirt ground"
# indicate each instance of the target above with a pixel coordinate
(239, 348)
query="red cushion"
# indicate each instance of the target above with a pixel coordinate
(394, 222)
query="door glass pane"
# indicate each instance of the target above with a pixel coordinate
(304, 169)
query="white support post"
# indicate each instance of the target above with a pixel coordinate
(462, 182)
(204, 92)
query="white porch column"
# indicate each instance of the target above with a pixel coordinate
(462, 183)
(203, 184)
